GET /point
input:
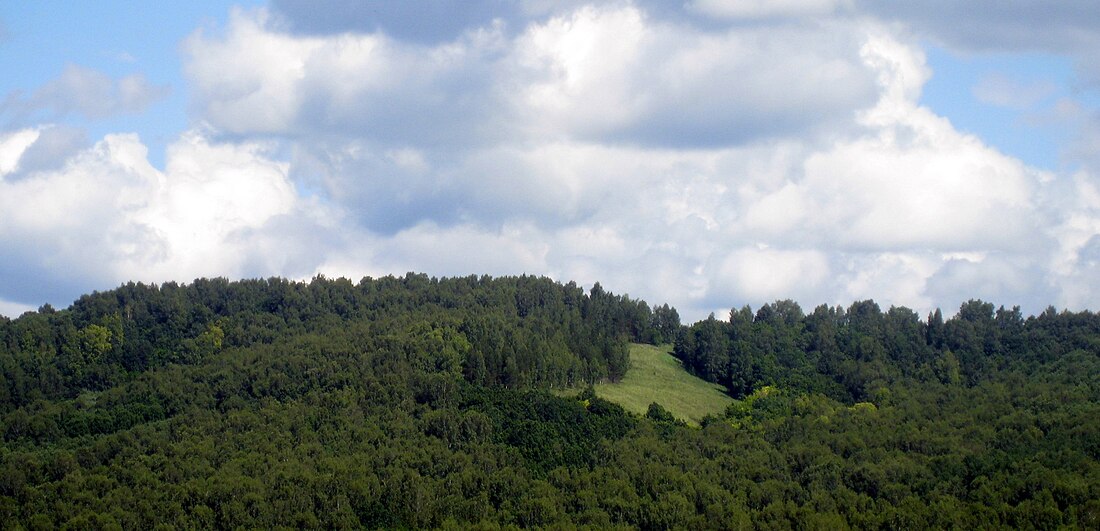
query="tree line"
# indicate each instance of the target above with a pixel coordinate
(860, 352)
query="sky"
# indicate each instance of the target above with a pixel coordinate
(705, 153)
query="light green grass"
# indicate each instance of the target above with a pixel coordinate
(656, 376)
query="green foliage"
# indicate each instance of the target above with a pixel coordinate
(422, 403)
(858, 353)
(660, 415)
(517, 331)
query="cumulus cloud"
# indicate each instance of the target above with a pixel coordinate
(89, 93)
(695, 164)
(896, 204)
(12, 146)
(740, 156)
(763, 274)
(604, 74)
(256, 79)
(53, 145)
(1006, 279)
(1060, 31)
(107, 216)
(1070, 28)
(486, 115)
(1073, 264)
(753, 9)
(616, 75)
(948, 192)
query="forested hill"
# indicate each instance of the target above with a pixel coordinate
(861, 352)
(418, 402)
(515, 332)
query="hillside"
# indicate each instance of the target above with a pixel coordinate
(419, 402)
(656, 376)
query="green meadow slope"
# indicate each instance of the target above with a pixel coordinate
(656, 376)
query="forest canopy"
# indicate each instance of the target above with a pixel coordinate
(445, 402)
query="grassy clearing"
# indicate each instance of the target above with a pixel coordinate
(656, 376)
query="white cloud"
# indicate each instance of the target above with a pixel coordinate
(1067, 29)
(706, 165)
(754, 9)
(258, 79)
(38, 148)
(207, 195)
(581, 65)
(1075, 262)
(891, 278)
(614, 74)
(949, 193)
(877, 207)
(92, 94)
(916, 182)
(247, 81)
(763, 274)
(1005, 279)
(12, 147)
(781, 212)
(608, 73)
(108, 210)
(55, 144)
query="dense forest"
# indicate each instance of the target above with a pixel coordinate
(419, 402)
